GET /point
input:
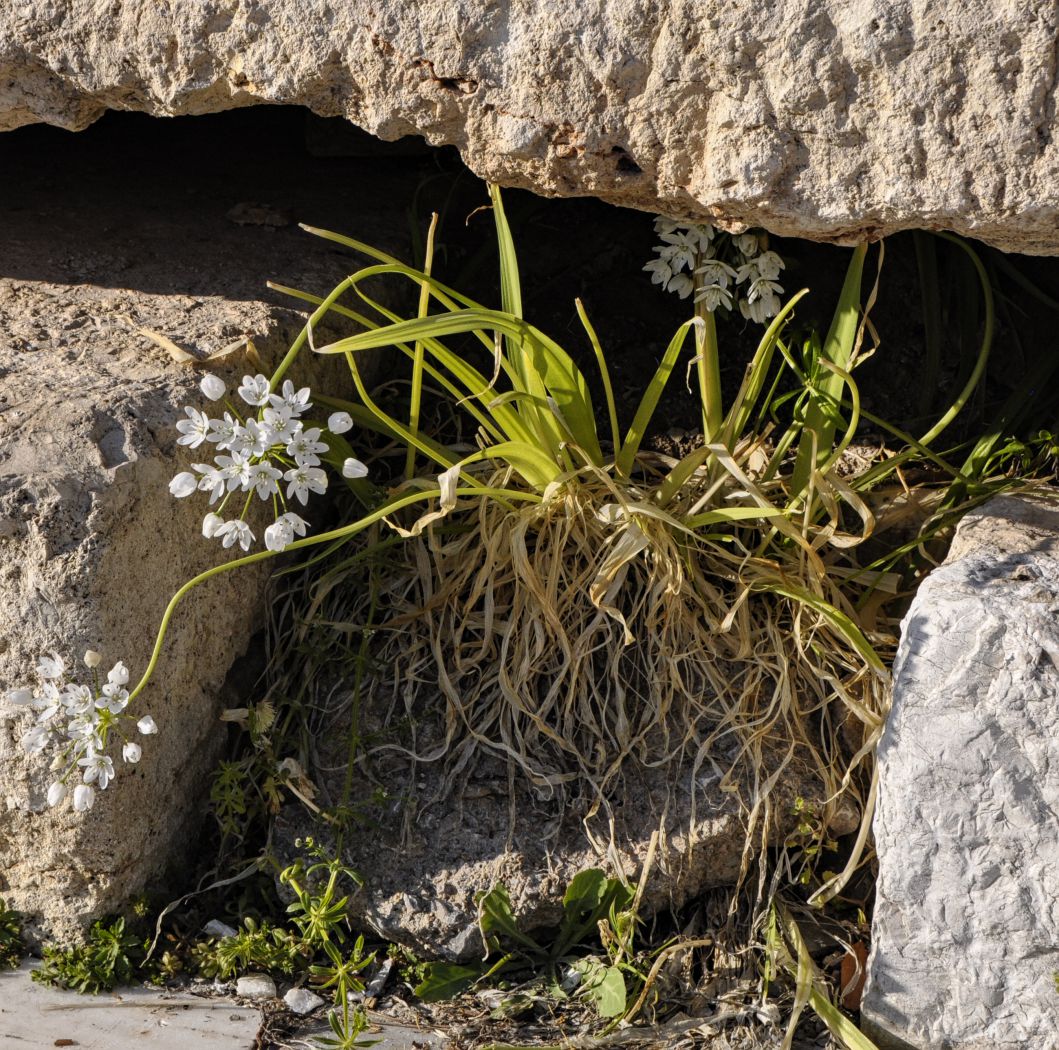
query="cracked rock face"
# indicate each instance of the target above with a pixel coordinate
(966, 926)
(831, 120)
(91, 543)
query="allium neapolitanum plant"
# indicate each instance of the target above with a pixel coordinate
(578, 601)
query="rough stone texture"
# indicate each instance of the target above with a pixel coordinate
(428, 855)
(91, 543)
(828, 120)
(966, 928)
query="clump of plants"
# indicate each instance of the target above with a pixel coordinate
(12, 947)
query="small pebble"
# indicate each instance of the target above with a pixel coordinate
(216, 928)
(301, 1001)
(256, 986)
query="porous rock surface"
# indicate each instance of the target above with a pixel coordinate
(966, 927)
(829, 120)
(92, 545)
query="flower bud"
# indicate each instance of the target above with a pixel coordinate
(84, 797)
(212, 386)
(92, 658)
(56, 793)
(131, 752)
(184, 484)
(353, 468)
(339, 422)
(146, 725)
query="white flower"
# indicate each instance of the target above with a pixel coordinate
(212, 480)
(303, 480)
(233, 532)
(98, 768)
(714, 295)
(56, 793)
(184, 484)
(235, 469)
(222, 432)
(263, 478)
(210, 524)
(305, 446)
(251, 440)
(682, 284)
(212, 386)
(51, 666)
(762, 288)
(35, 739)
(113, 699)
(340, 422)
(84, 796)
(48, 703)
(297, 523)
(118, 674)
(747, 243)
(78, 699)
(146, 725)
(92, 659)
(660, 270)
(296, 401)
(131, 752)
(254, 390)
(20, 697)
(713, 271)
(194, 430)
(353, 468)
(757, 311)
(279, 535)
(281, 424)
(769, 265)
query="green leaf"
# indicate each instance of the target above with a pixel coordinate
(605, 987)
(446, 981)
(496, 918)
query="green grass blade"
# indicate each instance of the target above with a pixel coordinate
(820, 425)
(649, 402)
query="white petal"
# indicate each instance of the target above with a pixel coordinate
(184, 484)
(56, 793)
(146, 725)
(339, 422)
(353, 468)
(212, 386)
(20, 697)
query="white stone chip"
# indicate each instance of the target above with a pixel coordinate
(301, 1001)
(256, 986)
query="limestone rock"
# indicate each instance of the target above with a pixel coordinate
(966, 927)
(91, 543)
(256, 986)
(301, 1001)
(832, 120)
(427, 856)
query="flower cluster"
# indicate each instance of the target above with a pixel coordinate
(718, 268)
(83, 720)
(272, 453)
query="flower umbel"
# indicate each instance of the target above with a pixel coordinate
(81, 721)
(721, 270)
(271, 453)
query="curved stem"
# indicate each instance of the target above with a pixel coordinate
(310, 541)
